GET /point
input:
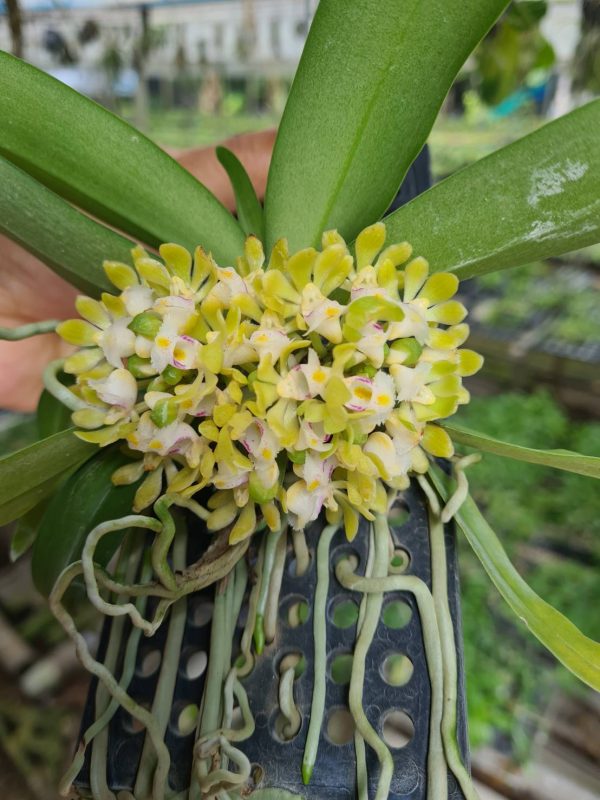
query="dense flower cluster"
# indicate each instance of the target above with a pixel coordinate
(312, 382)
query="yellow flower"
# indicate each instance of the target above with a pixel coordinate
(310, 384)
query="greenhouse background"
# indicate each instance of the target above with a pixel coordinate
(190, 74)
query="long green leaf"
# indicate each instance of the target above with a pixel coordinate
(559, 459)
(30, 474)
(66, 240)
(26, 530)
(577, 652)
(249, 209)
(105, 166)
(87, 498)
(371, 80)
(535, 198)
(51, 415)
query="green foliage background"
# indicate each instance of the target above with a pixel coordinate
(552, 511)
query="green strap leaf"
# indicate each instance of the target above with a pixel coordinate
(559, 459)
(26, 530)
(370, 83)
(66, 240)
(577, 652)
(51, 415)
(87, 498)
(30, 474)
(535, 198)
(105, 166)
(249, 209)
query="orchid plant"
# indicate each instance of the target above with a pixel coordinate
(300, 362)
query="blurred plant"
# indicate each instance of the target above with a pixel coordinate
(35, 739)
(586, 60)
(557, 507)
(572, 297)
(559, 516)
(513, 49)
(15, 23)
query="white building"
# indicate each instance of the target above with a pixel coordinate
(239, 37)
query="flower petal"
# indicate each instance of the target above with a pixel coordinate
(368, 243)
(437, 442)
(439, 287)
(78, 332)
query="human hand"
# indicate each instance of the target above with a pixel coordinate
(30, 291)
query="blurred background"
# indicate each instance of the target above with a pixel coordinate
(193, 72)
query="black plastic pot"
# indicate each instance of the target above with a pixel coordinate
(279, 761)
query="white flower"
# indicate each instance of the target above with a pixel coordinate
(361, 389)
(306, 497)
(271, 342)
(321, 314)
(198, 398)
(229, 284)
(372, 343)
(117, 342)
(170, 347)
(376, 397)
(411, 383)
(173, 439)
(118, 389)
(263, 446)
(414, 324)
(312, 436)
(365, 284)
(390, 455)
(143, 346)
(137, 299)
(230, 476)
(305, 380)
(180, 308)
(316, 374)
(237, 351)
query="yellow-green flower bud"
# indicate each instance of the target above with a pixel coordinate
(158, 385)
(146, 324)
(140, 367)
(260, 493)
(297, 456)
(404, 351)
(172, 375)
(164, 413)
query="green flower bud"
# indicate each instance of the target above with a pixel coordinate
(172, 375)
(410, 347)
(157, 385)
(258, 492)
(164, 413)
(146, 324)
(297, 456)
(140, 367)
(367, 369)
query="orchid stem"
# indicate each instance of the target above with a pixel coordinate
(31, 329)
(63, 394)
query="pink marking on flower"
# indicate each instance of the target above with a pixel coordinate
(355, 407)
